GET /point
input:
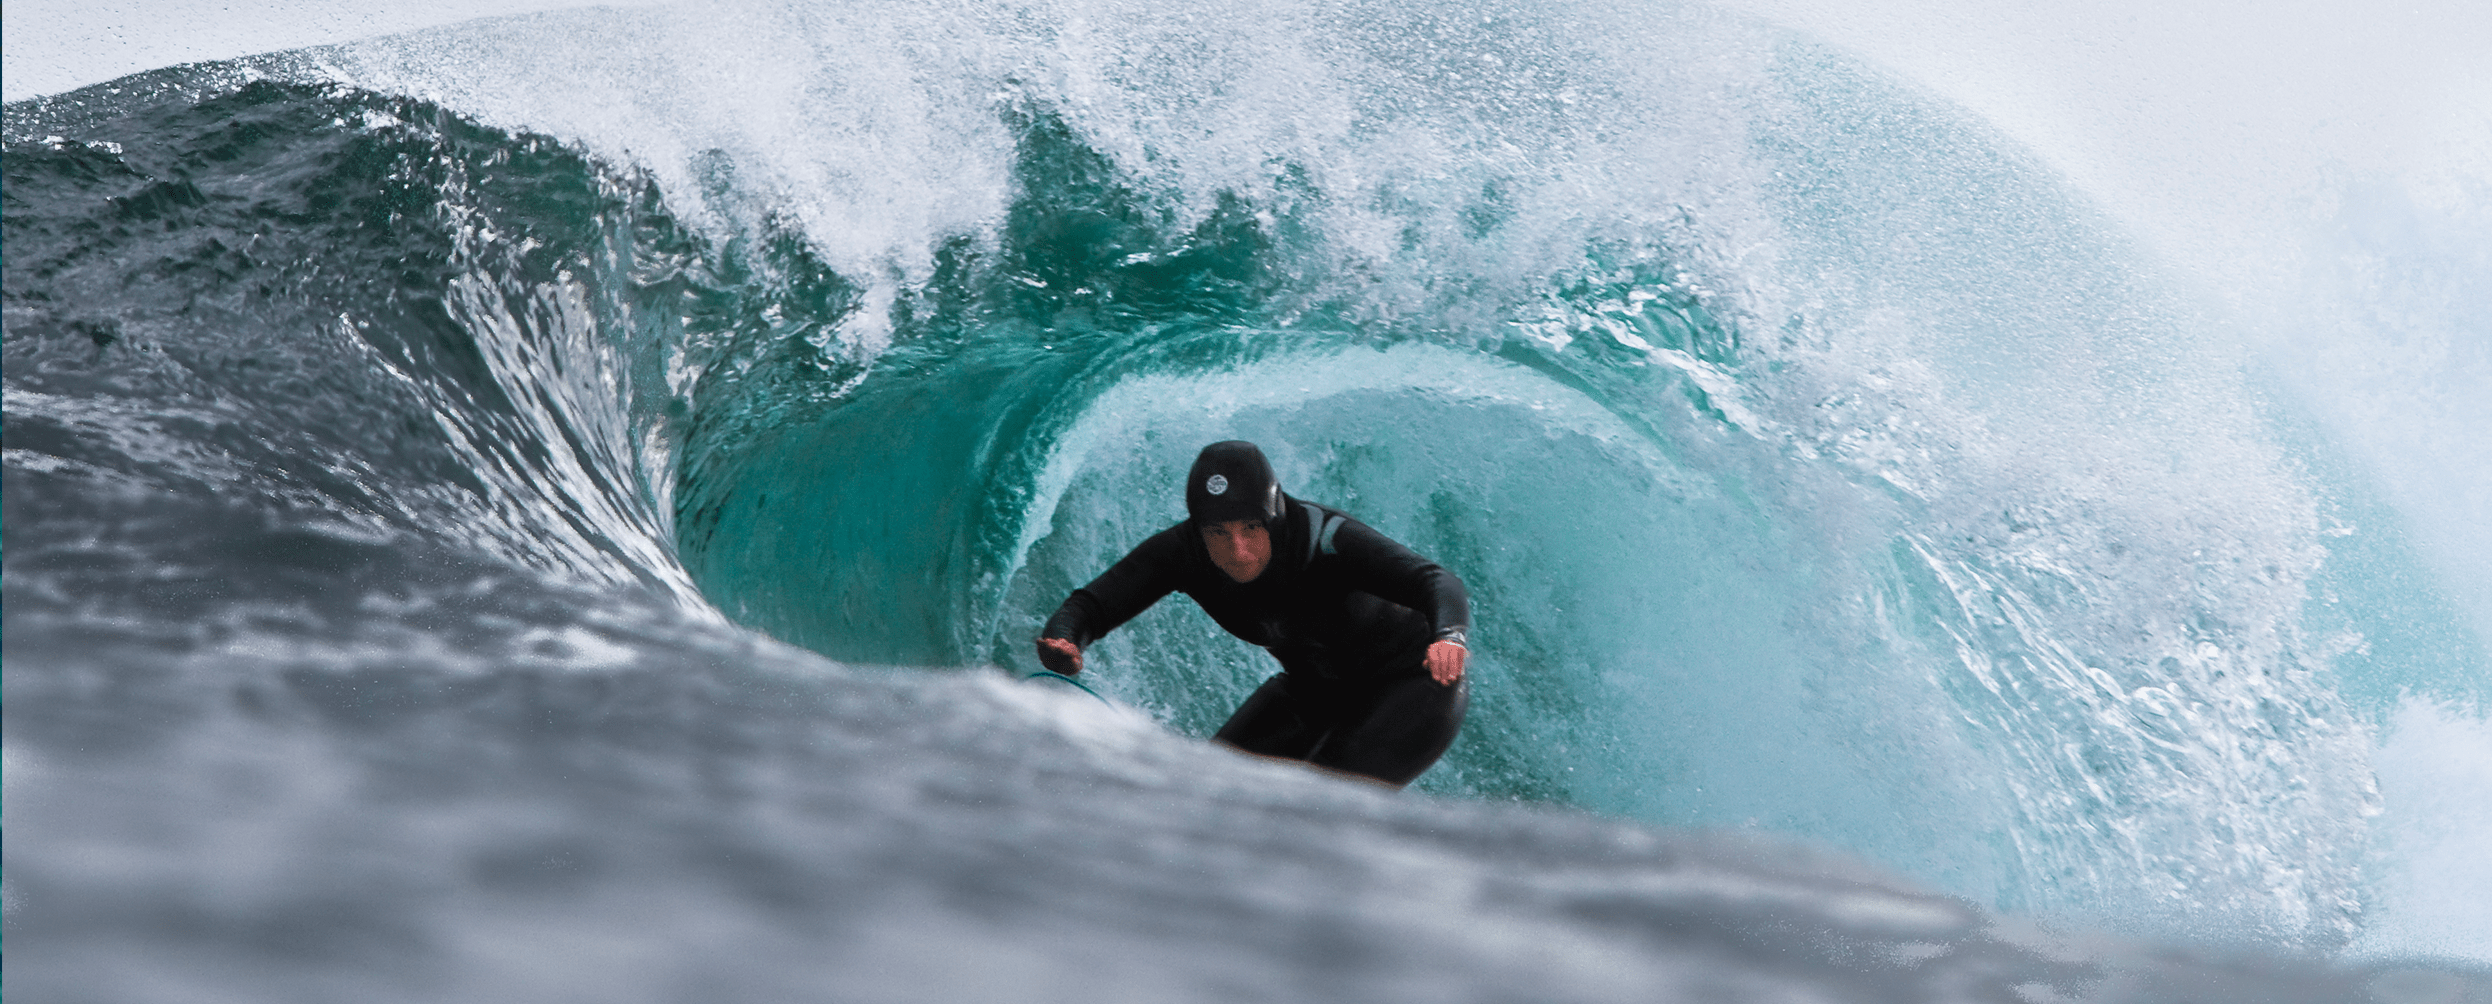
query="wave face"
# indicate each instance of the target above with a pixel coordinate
(429, 461)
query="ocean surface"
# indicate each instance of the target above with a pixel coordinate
(555, 509)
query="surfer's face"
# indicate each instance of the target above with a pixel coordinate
(1241, 547)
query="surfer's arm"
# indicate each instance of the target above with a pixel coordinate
(1126, 589)
(1380, 565)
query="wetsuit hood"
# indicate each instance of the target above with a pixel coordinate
(1233, 480)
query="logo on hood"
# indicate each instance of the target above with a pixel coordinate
(1216, 485)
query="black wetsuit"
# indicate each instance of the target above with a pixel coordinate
(1347, 611)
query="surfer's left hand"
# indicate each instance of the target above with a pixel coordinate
(1445, 661)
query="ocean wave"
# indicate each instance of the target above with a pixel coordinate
(1821, 466)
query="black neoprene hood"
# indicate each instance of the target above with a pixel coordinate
(1232, 480)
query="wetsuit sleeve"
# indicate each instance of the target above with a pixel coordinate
(1380, 565)
(1127, 588)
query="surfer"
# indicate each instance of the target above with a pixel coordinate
(1371, 637)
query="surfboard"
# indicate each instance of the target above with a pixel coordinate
(1049, 678)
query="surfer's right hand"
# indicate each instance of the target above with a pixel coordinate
(1059, 656)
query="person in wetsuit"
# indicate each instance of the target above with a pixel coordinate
(1371, 637)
